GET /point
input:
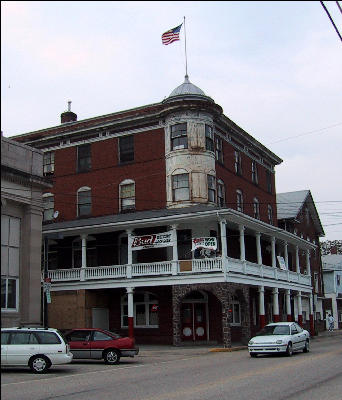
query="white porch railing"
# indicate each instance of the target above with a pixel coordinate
(172, 268)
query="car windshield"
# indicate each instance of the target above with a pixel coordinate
(117, 336)
(274, 330)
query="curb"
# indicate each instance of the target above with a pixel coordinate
(227, 349)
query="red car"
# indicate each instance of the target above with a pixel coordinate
(100, 344)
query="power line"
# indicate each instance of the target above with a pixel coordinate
(339, 35)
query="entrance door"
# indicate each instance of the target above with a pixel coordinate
(194, 322)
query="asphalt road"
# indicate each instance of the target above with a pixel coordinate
(189, 375)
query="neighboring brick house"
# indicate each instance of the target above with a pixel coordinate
(332, 276)
(297, 214)
(141, 192)
(22, 186)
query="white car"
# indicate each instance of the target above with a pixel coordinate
(280, 337)
(37, 348)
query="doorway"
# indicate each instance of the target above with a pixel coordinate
(194, 317)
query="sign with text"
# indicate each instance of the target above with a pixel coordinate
(151, 241)
(204, 242)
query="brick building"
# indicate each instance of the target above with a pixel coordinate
(167, 225)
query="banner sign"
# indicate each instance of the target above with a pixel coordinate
(152, 241)
(205, 243)
(281, 262)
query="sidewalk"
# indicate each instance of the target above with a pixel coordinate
(335, 332)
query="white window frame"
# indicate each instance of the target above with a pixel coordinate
(234, 323)
(49, 163)
(211, 181)
(237, 162)
(49, 206)
(174, 189)
(256, 208)
(6, 308)
(255, 178)
(80, 190)
(239, 200)
(147, 302)
(219, 149)
(270, 214)
(126, 182)
(220, 193)
(209, 138)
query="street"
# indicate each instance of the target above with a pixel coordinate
(189, 375)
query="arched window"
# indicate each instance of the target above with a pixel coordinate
(49, 206)
(83, 201)
(256, 208)
(146, 310)
(239, 201)
(270, 214)
(220, 193)
(127, 195)
(180, 187)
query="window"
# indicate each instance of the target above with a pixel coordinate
(49, 163)
(77, 252)
(270, 214)
(10, 252)
(219, 149)
(126, 149)
(49, 206)
(254, 172)
(239, 201)
(269, 181)
(127, 195)
(101, 336)
(79, 336)
(23, 338)
(180, 187)
(236, 312)
(179, 138)
(48, 338)
(83, 201)
(146, 310)
(256, 208)
(211, 188)
(220, 193)
(209, 138)
(338, 280)
(237, 164)
(83, 158)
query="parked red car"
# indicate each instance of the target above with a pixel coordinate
(100, 344)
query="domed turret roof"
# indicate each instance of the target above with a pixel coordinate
(187, 88)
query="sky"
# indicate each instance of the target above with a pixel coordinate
(274, 67)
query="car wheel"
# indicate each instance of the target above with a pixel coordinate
(289, 350)
(306, 348)
(39, 364)
(112, 356)
(253, 355)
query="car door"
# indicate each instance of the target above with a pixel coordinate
(4, 347)
(301, 337)
(22, 345)
(295, 337)
(99, 342)
(79, 341)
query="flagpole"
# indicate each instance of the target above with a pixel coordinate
(186, 58)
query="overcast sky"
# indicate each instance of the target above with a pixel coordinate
(274, 67)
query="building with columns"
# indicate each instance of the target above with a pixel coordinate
(162, 224)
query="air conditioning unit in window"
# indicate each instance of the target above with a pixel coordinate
(48, 169)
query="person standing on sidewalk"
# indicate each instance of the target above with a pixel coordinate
(331, 321)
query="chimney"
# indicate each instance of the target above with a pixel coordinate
(68, 116)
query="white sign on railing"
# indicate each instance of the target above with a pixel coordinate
(205, 243)
(151, 241)
(282, 264)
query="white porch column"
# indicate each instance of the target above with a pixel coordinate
(308, 267)
(288, 305)
(174, 250)
(299, 307)
(242, 243)
(262, 319)
(286, 255)
(297, 260)
(129, 253)
(223, 232)
(275, 304)
(258, 247)
(273, 249)
(84, 256)
(130, 311)
(312, 328)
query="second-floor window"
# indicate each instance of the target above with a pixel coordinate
(237, 162)
(209, 138)
(49, 163)
(83, 201)
(83, 158)
(239, 201)
(256, 208)
(180, 187)
(127, 195)
(254, 172)
(126, 149)
(179, 137)
(211, 189)
(219, 149)
(49, 206)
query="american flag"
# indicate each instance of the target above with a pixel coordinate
(171, 35)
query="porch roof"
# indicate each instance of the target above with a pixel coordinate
(150, 218)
